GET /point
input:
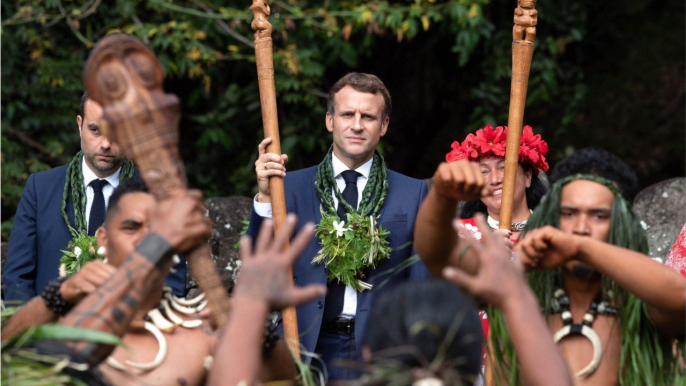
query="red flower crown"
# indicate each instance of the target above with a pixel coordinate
(490, 142)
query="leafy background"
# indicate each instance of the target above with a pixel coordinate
(608, 74)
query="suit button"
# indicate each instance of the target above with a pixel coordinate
(320, 304)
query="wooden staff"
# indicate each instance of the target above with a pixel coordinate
(124, 77)
(524, 34)
(265, 76)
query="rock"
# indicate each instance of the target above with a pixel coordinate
(661, 207)
(228, 215)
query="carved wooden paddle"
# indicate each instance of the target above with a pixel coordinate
(124, 77)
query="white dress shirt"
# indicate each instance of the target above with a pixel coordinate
(265, 210)
(107, 190)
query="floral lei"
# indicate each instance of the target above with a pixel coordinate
(488, 142)
(350, 245)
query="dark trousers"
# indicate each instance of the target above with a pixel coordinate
(334, 347)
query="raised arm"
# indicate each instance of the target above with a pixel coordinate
(434, 236)
(72, 290)
(262, 287)
(176, 225)
(500, 282)
(663, 290)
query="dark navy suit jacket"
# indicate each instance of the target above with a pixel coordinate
(39, 234)
(398, 215)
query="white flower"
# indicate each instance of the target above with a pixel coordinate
(339, 227)
(77, 251)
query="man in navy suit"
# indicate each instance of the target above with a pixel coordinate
(359, 106)
(39, 231)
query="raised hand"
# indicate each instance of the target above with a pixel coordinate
(264, 271)
(498, 276)
(546, 248)
(266, 166)
(86, 281)
(460, 180)
(180, 219)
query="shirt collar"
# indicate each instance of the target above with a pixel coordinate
(339, 167)
(89, 176)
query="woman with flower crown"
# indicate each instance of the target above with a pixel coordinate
(473, 173)
(487, 148)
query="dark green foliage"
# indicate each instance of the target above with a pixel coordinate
(603, 73)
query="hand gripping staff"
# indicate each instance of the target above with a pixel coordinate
(124, 77)
(265, 76)
(524, 34)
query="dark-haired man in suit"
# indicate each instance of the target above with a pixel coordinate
(359, 107)
(40, 231)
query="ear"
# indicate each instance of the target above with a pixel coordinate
(329, 122)
(528, 174)
(101, 237)
(79, 121)
(384, 125)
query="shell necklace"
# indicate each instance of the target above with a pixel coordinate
(164, 319)
(515, 227)
(598, 306)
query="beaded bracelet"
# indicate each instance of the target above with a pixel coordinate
(53, 297)
(270, 336)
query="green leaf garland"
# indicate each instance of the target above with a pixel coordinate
(348, 247)
(351, 245)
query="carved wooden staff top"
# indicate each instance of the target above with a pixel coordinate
(124, 77)
(265, 75)
(523, 36)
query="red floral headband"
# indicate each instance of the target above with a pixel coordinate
(490, 142)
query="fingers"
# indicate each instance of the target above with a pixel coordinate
(468, 170)
(262, 147)
(459, 278)
(300, 242)
(101, 273)
(300, 295)
(264, 238)
(284, 233)
(246, 247)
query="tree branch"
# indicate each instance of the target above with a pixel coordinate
(225, 26)
(25, 139)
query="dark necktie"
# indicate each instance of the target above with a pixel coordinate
(333, 305)
(97, 214)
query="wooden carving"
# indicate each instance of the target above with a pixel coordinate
(124, 77)
(265, 76)
(523, 35)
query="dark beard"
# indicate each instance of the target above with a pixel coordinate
(584, 272)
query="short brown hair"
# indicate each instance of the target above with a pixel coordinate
(363, 83)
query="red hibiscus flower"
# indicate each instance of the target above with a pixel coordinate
(532, 149)
(489, 140)
(456, 153)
